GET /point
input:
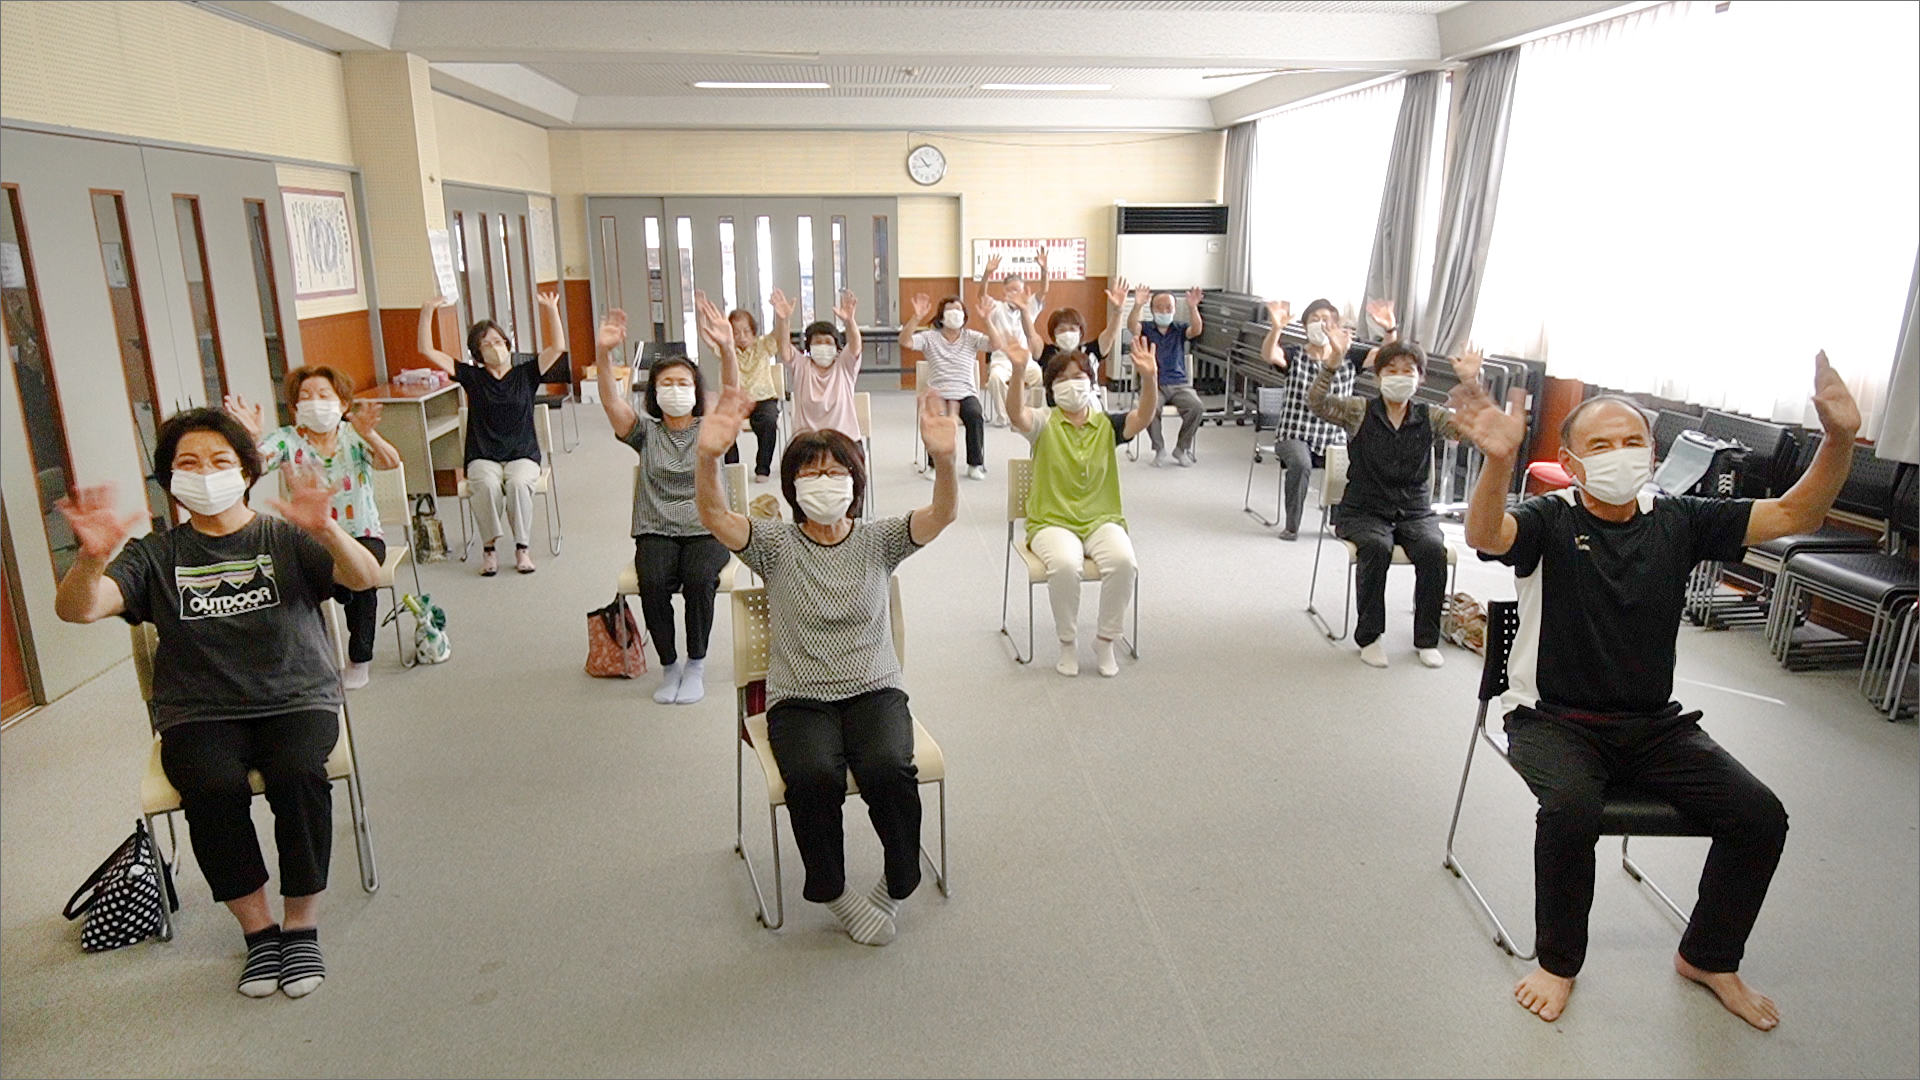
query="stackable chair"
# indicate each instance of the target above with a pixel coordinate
(1627, 812)
(750, 644)
(1019, 483)
(158, 798)
(544, 487)
(563, 401)
(1333, 486)
(627, 581)
(863, 410)
(1865, 503)
(390, 499)
(1269, 401)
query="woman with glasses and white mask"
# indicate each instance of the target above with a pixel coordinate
(672, 551)
(244, 676)
(347, 455)
(835, 693)
(1073, 507)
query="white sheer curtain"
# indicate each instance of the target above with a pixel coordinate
(1322, 167)
(1695, 202)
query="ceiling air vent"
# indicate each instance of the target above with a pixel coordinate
(1207, 220)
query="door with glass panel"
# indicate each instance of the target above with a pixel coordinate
(491, 241)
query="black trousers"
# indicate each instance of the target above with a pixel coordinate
(765, 421)
(815, 744)
(362, 608)
(207, 762)
(1569, 763)
(1375, 538)
(975, 421)
(689, 565)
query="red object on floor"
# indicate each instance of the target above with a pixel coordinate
(1545, 476)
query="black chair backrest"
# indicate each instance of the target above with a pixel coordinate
(1905, 516)
(1868, 491)
(1668, 426)
(1503, 625)
(1772, 446)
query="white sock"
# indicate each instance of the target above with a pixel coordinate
(884, 900)
(1104, 655)
(693, 683)
(356, 674)
(1069, 662)
(1373, 654)
(669, 684)
(864, 920)
(1432, 658)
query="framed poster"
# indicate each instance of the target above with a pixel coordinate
(1066, 256)
(319, 243)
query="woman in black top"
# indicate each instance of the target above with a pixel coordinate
(244, 677)
(502, 451)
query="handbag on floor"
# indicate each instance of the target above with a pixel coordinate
(1464, 622)
(615, 647)
(429, 533)
(121, 898)
(431, 645)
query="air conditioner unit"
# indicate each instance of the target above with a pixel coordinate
(1171, 246)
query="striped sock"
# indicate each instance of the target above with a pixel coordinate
(261, 976)
(866, 923)
(301, 968)
(884, 900)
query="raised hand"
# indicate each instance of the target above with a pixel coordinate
(1280, 312)
(438, 301)
(993, 267)
(848, 303)
(937, 429)
(613, 331)
(1143, 359)
(782, 307)
(96, 524)
(309, 502)
(922, 307)
(1117, 295)
(252, 417)
(1839, 413)
(713, 322)
(1194, 296)
(1141, 296)
(721, 424)
(1340, 338)
(984, 306)
(366, 417)
(1040, 257)
(1381, 312)
(1466, 367)
(1016, 293)
(1498, 432)
(550, 301)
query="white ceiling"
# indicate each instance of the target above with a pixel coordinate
(901, 64)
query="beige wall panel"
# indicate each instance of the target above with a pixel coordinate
(929, 236)
(170, 72)
(480, 146)
(395, 142)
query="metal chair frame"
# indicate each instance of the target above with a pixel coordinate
(547, 487)
(1333, 485)
(390, 496)
(1269, 401)
(1019, 482)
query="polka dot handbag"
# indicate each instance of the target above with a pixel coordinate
(121, 899)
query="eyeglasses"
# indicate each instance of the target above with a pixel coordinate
(815, 474)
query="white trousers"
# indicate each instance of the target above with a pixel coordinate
(503, 489)
(1061, 552)
(999, 374)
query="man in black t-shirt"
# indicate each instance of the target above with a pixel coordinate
(1601, 571)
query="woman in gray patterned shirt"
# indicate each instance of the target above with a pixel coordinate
(835, 696)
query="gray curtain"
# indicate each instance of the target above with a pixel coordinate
(1242, 172)
(1475, 153)
(1396, 236)
(1896, 430)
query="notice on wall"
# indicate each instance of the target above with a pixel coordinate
(546, 263)
(440, 241)
(1066, 258)
(13, 272)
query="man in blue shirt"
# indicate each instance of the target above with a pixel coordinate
(1169, 340)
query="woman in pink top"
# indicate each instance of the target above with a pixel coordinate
(823, 377)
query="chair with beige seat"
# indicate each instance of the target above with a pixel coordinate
(1019, 485)
(627, 581)
(543, 486)
(390, 499)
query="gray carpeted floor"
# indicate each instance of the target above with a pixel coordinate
(1227, 861)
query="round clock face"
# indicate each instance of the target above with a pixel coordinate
(927, 165)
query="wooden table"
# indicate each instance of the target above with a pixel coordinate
(424, 426)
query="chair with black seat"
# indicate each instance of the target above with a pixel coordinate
(1627, 812)
(1857, 523)
(1667, 426)
(563, 402)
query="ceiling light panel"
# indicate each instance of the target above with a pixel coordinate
(599, 79)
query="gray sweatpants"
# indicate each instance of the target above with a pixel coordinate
(503, 490)
(1187, 402)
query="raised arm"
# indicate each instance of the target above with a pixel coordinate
(1116, 315)
(718, 334)
(1019, 354)
(1194, 296)
(366, 421)
(556, 334)
(1046, 276)
(849, 306)
(922, 308)
(1381, 312)
(1500, 435)
(1804, 506)
(1142, 296)
(938, 431)
(606, 351)
(782, 321)
(86, 594)
(309, 507)
(1148, 369)
(718, 430)
(1023, 302)
(424, 340)
(1345, 410)
(1281, 313)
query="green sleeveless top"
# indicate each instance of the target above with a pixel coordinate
(1076, 476)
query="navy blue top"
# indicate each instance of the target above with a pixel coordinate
(1169, 351)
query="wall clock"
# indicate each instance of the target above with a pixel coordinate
(927, 165)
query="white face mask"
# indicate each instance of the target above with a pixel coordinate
(208, 494)
(823, 354)
(495, 355)
(1067, 340)
(1398, 388)
(824, 499)
(1615, 477)
(953, 318)
(318, 415)
(1073, 395)
(1317, 334)
(675, 400)
(1163, 319)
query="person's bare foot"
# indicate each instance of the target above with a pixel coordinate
(1740, 999)
(1544, 994)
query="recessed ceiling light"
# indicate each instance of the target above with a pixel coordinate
(763, 86)
(1046, 86)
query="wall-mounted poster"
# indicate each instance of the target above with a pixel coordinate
(546, 264)
(320, 243)
(1066, 257)
(440, 244)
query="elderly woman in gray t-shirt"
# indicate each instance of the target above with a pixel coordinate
(834, 686)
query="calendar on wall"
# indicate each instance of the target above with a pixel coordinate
(1066, 258)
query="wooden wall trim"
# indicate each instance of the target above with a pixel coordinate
(343, 342)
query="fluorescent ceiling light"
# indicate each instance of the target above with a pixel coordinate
(763, 86)
(1046, 86)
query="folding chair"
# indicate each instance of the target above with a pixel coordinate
(1627, 813)
(1266, 417)
(750, 644)
(159, 798)
(1333, 486)
(627, 581)
(1019, 484)
(567, 406)
(390, 499)
(543, 486)
(863, 410)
